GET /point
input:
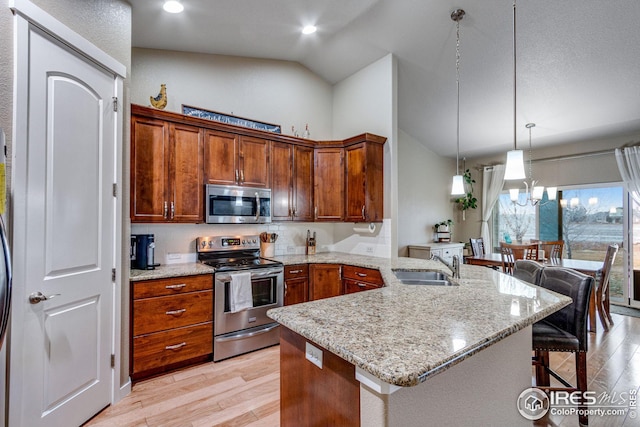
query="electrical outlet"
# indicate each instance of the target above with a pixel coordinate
(313, 354)
(173, 257)
(368, 249)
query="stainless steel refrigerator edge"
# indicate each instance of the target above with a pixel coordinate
(5, 286)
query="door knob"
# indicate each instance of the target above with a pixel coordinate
(37, 297)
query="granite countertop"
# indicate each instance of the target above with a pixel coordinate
(403, 334)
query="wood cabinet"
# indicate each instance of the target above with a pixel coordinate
(171, 323)
(232, 159)
(311, 396)
(329, 178)
(291, 182)
(166, 171)
(364, 182)
(357, 279)
(325, 281)
(296, 284)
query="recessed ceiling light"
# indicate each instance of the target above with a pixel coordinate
(173, 6)
(309, 29)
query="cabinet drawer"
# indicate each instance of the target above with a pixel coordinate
(352, 286)
(171, 286)
(295, 271)
(164, 348)
(162, 313)
(362, 274)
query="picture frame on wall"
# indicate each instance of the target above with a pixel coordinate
(229, 119)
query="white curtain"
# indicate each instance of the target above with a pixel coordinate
(492, 182)
(628, 159)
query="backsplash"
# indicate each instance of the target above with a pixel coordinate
(176, 243)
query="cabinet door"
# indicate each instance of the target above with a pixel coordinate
(149, 170)
(302, 184)
(325, 281)
(296, 291)
(364, 182)
(221, 158)
(254, 160)
(329, 184)
(186, 171)
(281, 181)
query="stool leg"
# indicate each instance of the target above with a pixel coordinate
(581, 376)
(542, 374)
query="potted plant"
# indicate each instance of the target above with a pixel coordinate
(443, 226)
(468, 201)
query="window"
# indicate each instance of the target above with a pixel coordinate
(588, 219)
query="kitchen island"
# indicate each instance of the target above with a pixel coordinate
(421, 355)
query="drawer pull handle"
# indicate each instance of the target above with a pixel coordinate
(175, 312)
(178, 286)
(176, 346)
(361, 275)
(362, 285)
(295, 271)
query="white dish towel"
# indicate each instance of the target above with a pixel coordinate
(240, 294)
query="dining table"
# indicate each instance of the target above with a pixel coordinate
(591, 268)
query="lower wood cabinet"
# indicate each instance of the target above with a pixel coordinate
(296, 284)
(325, 281)
(357, 279)
(304, 396)
(171, 323)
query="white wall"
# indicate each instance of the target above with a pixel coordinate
(367, 102)
(279, 92)
(424, 187)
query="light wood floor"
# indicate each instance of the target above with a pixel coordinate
(245, 390)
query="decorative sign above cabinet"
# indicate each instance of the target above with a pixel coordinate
(230, 120)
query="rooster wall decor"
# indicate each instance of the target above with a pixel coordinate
(160, 101)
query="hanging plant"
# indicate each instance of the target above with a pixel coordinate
(468, 201)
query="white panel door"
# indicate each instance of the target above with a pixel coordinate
(64, 238)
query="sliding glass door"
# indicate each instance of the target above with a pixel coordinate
(633, 292)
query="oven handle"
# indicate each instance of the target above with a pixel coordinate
(255, 274)
(247, 334)
(257, 206)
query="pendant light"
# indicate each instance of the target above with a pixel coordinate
(514, 168)
(457, 187)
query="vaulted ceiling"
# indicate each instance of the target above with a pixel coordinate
(578, 61)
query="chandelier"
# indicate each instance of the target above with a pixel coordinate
(457, 187)
(533, 192)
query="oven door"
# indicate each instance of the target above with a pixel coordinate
(234, 205)
(267, 286)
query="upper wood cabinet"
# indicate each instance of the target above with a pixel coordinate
(232, 159)
(291, 182)
(364, 182)
(166, 171)
(329, 178)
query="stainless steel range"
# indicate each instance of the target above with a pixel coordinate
(241, 325)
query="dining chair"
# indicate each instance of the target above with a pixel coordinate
(477, 246)
(508, 258)
(527, 270)
(602, 288)
(553, 249)
(564, 331)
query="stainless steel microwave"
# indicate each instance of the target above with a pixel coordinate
(227, 204)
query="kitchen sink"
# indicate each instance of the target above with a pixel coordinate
(429, 278)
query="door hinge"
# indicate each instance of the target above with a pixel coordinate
(113, 360)
(115, 190)
(115, 103)
(113, 274)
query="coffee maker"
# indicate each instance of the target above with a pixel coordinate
(142, 252)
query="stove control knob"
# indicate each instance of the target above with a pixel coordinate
(244, 243)
(254, 241)
(203, 243)
(210, 243)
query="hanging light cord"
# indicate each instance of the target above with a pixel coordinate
(514, 75)
(529, 126)
(457, 15)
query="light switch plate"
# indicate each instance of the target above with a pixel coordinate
(313, 354)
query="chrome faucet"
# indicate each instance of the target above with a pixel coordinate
(454, 266)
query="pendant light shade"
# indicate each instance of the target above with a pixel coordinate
(457, 187)
(514, 168)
